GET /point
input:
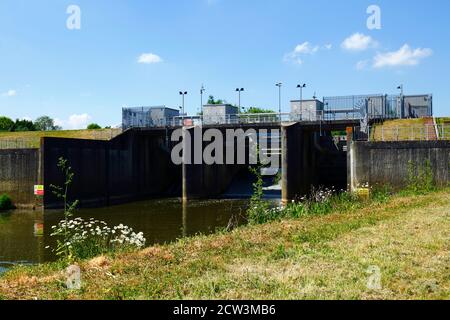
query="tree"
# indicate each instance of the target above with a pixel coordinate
(23, 125)
(45, 123)
(256, 110)
(6, 124)
(212, 101)
(93, 126)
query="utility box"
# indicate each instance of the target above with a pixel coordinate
(219, 114)
(418, 106)
(144, 117)
(307, 110)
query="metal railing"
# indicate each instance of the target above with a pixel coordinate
(411, 133)
(254, 118)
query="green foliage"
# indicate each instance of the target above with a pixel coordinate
(23, 125)
(91, 238)
(45, 123)
(258, 211)
(420, 178)
(320, 202)
(212, 101)
(6, 124)
(381, 194)
(5, 202)
(61, 192)
(256, 110)
(338, 133)
(79, 239)
(93, 126)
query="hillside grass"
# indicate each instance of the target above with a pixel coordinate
(444, 121)
(313, 257)
(31, 139)
(397, 130)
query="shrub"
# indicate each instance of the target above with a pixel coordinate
(5, 202)
(87, 239)
(420, 178)
(93, 126)
(258, 211)
(79, 239)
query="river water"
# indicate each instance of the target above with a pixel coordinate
(25, 234)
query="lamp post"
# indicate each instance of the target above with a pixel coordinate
(202, 90)
(239, 93)
(279, 85)
(301, 86)
(400, 87)
(183, 93)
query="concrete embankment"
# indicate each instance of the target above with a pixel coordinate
(19, 170)
(381, 163)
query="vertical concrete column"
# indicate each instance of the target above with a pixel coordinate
(192, 173)
(350, 159)
(292, 162)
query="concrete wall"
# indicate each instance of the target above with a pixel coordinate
(133, 166)
(201, 181)
(215, 114)
(306, 109)
(309, 160)
(380, 163)
(19, 172)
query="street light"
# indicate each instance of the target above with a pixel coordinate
(301, 86)
(279, 85)
(239, 92)
(202, 90)
(183, 94)
(400, 87)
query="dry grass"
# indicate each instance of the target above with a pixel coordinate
(400, 130)
(31, 139)
(320, 257)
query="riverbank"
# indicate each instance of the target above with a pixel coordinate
(315, 257)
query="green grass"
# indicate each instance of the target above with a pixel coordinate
(31, 139)
(323, 256)
(445, 121)
(388, 130)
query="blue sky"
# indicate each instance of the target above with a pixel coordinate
(133, 53)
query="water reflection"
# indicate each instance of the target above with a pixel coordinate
(25, 234)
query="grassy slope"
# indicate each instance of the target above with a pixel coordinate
(446, 123)
(402, 127)
(322, 257)
(33, 137)
(390, 128)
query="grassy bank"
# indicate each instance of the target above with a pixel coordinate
(311, 257)
(31, 139)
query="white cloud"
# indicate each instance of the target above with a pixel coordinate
(10, 93)
(405, 56)
(328, 46)
(75, 121)
(358, 42)
(149, 58)
(300, 50)
(361, 65)
(306, 48)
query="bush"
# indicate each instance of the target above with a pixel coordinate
(258, 211)
(5, 202)
(420, 178)
(93, 126)
(88, 239)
